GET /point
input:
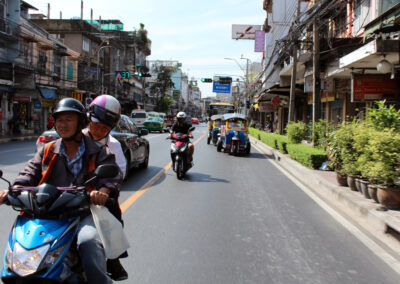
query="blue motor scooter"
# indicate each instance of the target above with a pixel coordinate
(41, 247)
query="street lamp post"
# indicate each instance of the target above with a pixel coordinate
(98, 62)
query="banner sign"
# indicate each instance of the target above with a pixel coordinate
(245, 31)
(259, 43)
(373, 87)
(78, 96)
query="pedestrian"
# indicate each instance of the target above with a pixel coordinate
(69, 161)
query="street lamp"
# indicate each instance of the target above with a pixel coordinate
(98, 60)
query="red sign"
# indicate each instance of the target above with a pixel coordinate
(276, 101)
(373, 87)
(22, 99)
(266, 107)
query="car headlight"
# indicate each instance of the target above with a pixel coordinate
(52, 258)
(26, 262)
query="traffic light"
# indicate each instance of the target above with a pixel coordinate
(225, 80)
(142, 71)
(140, 74)
(206, 80)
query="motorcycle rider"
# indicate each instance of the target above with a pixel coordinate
(66, 162)
(104, 114)
(181, 126)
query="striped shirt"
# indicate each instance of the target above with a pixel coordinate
(74, 165)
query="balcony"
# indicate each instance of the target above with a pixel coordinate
(9, 30)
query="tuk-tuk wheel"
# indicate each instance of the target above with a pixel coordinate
(219, 146)
(248, 149)
(208, 140)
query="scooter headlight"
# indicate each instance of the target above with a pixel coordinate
(8, 257)
(236, 133)
(52, 258)
(26, 262)
(174, 148)
(183, 149)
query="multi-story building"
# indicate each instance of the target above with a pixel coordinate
(42, 70)
(358, 45)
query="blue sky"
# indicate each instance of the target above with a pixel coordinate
(196, 33)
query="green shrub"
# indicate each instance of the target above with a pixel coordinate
(362, 136)
(348, 153)
(296, 131)
(306, 155)
(383, 116)
(281, 143)
(320, 133)
(385, 162)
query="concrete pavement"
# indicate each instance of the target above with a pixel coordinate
(324, 184)
(9, 138)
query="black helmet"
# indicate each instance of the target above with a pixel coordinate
(70, 104)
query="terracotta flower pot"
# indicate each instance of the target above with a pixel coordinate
(351, 181)
(358, 185)
(341, 179)
(364, 188)
(389, 197)
(372, 190)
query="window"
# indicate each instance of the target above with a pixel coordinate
(362, 15)
(387, 4)
(42, 60)
(86, 44)
(70, 71)
(57, 65)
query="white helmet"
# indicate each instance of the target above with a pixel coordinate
(181, 114)
(106, 109)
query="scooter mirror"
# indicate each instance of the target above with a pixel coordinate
(106, 171)
(192, 128)
(1, 173)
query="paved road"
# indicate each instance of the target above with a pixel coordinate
(233, 220)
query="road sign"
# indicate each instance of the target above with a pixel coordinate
(122, 74)
(221, 88)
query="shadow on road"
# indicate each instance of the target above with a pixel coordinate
(258, 156)
(138, 178)
(198, 177)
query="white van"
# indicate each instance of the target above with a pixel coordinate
(153, 114)
(139, 116)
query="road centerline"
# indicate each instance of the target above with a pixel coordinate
(137, 194)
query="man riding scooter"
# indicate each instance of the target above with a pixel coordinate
(181, 126)
(66, 162)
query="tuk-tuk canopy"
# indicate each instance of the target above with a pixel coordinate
(216, 116)
(229, 116)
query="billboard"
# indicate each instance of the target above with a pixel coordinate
(245, 31)
(221, 88)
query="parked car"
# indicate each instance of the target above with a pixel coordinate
(154, 124)
(136, 148)
(194, 120)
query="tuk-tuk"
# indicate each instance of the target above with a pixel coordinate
(214, 128)
(233, 134)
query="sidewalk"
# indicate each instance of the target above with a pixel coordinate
(17, 137)
(324, 184)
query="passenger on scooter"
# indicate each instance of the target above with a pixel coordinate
(181, 126)
(69, 161)
(104, 114)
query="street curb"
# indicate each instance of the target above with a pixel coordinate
(366, 208)
(22, 138)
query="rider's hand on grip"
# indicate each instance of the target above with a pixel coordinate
(98, 197)
(3, 197)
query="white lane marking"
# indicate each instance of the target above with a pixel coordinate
(14, 150)
(368, 242)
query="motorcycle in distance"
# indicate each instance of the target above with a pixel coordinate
(179, 149)
(42, 248)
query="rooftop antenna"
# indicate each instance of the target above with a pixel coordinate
(81, 9)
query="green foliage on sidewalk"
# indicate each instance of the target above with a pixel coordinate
(307, 155)
(304, 154)
(296, 131)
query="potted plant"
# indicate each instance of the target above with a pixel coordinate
(348, 154)
(386, 166)
(335, 158)
(362, 136)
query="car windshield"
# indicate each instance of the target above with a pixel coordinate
(153, 119)
(236, 124)
(139, 115)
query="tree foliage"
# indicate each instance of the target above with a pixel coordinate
(161, 88)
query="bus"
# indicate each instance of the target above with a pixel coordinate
(220, 108)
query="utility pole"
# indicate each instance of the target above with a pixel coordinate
(316, 77)
(294, 70)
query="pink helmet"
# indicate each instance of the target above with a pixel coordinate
(106, 109)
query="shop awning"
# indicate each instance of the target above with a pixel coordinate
(47, 93)
(7, 89)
